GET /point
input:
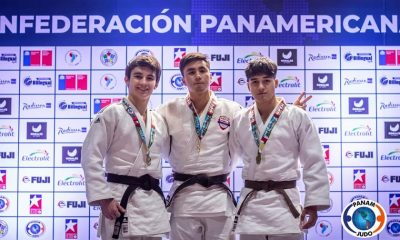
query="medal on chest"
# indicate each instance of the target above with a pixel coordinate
(261, 142)
(201, 131)
(140, 131)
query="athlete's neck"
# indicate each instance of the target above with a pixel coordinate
(265, 108)
(200, 100)
(140, 104)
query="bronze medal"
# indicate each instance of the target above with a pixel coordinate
(258, 158)
(148, 159)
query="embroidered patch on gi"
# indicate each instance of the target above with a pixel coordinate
(224, 122)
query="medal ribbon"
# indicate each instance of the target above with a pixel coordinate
(139, 128)
(207, 119)
(267, 132)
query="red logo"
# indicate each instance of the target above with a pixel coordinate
(216, 81)
(35, 205)
(38, 58)
(71, 228)
(359, 178)
(3, 179)
(394, 203)
(179, 53)
(326, 153)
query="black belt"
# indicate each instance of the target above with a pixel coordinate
(268, 186)
(145, 182)
(203, 180)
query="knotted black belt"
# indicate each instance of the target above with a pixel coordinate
(268, 186)
(145, 182)
(203, 180)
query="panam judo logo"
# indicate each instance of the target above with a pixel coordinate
(363, 218)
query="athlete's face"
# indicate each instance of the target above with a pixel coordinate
(262, 88)
(141, 83)
(196, 77)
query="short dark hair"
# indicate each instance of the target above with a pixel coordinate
(191, 57)
(144, 61)
(261, 65)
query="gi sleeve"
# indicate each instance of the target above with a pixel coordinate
(165, 145)
(315, 176)
(235, 148)
(94, 150)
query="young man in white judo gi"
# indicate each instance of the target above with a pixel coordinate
(128, 139)
(274, 140)
(200, 127)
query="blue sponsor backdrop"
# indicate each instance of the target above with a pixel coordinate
(60, 63)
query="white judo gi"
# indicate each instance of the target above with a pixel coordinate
(212, 159)
(114, 141)
(293, 143)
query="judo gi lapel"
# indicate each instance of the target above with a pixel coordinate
(144, 131)
(257, 124)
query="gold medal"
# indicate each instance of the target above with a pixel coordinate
(258, 158)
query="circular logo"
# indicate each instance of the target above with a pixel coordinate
(170, 178)
(25, 179)
(108, 81)
(73, 57)
(61, 204)
(224, 122)
(143, 52)
(393, 227)
(96, 225)
(28, 81)
(349, 154)
(3, 228)
(4, 203)
(241, 81)
(108, 57)
(384, 80)
(363, 218)
(323, 228)
(177, 82)
(63, 105)
(385, 179)
(35, 228)
(348, 56)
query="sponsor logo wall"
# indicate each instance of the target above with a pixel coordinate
(48, 96)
